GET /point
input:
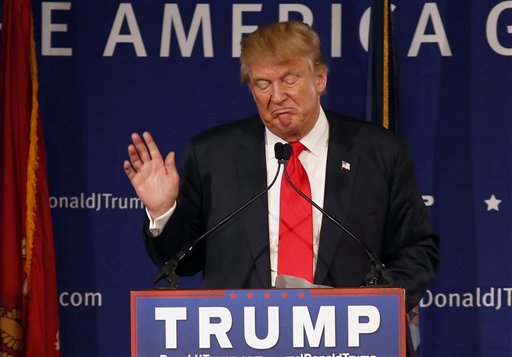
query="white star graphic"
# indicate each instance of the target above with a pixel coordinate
(492, 203)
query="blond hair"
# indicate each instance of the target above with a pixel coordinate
(281, 42)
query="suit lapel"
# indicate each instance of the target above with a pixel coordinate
(341, 172)
(252, 179)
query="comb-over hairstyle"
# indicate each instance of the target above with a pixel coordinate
(281, 42)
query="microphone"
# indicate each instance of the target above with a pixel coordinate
(168, 271)
(378, 276)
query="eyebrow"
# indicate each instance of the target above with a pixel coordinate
(287, 73)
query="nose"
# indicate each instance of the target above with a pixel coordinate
(278, 94)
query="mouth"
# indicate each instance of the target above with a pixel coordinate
(283, 113)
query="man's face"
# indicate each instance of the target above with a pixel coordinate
(287, 96)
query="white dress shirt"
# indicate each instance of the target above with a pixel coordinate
(314, 161)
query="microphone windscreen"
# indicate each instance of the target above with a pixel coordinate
(287, 151)
(278, 150)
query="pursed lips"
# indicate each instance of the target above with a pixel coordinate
(281, 111)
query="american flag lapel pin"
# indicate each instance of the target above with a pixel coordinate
(345, 165)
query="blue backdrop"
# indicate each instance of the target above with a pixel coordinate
(108, 68)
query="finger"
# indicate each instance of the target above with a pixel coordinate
(134, 157)
(128, 169)
(141, 148)
(170, 162)
(153, 148)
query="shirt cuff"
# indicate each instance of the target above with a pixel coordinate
(157, 225)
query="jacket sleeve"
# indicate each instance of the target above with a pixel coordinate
(184, 226)
(411, 248)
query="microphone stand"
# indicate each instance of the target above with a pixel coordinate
(378, 275)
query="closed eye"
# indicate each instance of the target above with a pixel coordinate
(290, 79)
(262, 85)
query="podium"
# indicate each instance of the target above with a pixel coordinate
(273, 322)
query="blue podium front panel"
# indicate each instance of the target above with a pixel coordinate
(291, 322)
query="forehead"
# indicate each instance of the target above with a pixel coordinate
(270, 69)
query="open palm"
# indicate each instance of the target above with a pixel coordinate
(155, 181)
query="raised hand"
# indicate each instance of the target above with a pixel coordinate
(155, 181)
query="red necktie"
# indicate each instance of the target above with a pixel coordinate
(295, 251)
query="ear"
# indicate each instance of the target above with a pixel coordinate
(321, 79)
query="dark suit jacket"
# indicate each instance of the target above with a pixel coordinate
(377, 200)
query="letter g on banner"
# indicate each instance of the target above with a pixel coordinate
(491, 28)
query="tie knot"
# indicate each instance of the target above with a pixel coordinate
(297, 148)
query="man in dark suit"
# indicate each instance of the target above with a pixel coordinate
(358, 172)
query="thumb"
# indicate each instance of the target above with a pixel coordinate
(170, 162)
